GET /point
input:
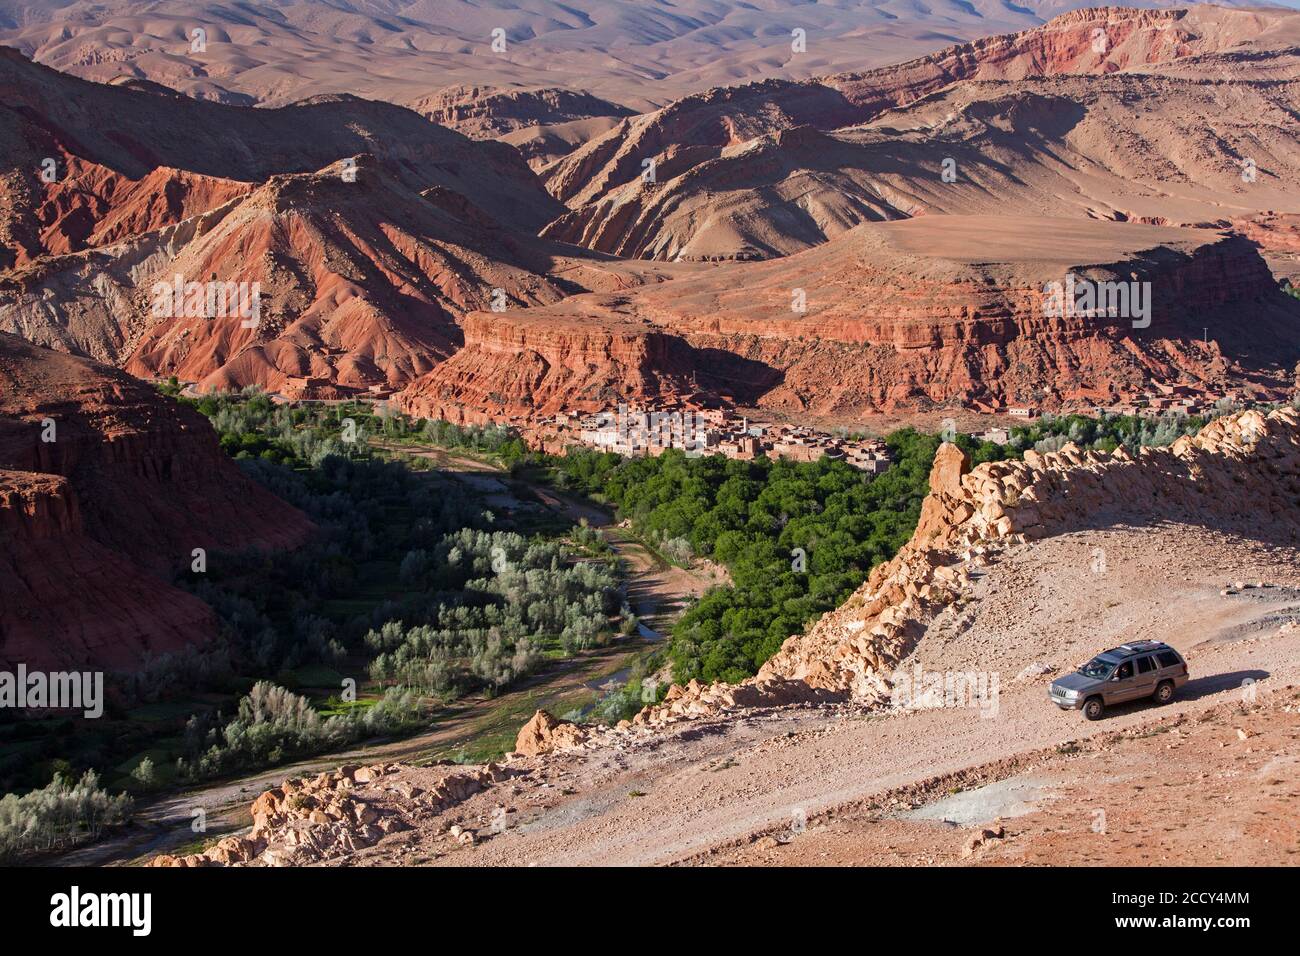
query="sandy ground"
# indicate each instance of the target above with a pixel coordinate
(735, 790)
(1220, 787)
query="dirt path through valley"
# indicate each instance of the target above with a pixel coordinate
(656, 590)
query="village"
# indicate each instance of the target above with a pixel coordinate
(638, 430)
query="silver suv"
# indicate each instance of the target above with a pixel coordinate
(1124, 673)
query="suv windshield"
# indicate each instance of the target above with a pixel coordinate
(1098, 668)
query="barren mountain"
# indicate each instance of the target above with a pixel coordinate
(359, 282)
(361, 264)
(106, 489)
(371, 231)
(641, 55)
(49, 120)
(939, 310)
(1037, 122)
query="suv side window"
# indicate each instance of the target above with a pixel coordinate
(1146, 665)
(1168, 659)
(1125, 671)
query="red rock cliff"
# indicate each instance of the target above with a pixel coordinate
(105, 490)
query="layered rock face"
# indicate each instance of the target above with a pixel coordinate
(93, 205)
(1129, 39)
(543, 124)
(952, 310)
(360, 283)
(901, 315)
(517, 364)
(105, 490)
(488, 112)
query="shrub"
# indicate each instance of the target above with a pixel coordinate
(274, 724)
(58, 816)
(144, 773)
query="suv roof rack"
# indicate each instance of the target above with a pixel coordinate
(1141, 647)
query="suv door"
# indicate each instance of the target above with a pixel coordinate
(1144, 680)
(1120, 686)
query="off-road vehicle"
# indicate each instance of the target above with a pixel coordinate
(1121, 674)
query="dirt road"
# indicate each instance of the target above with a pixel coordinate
(710, 786)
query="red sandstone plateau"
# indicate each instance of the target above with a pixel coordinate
(106, 489)
(912, 314)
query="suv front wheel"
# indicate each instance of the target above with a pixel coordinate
(1164, 692)
(1094, 708)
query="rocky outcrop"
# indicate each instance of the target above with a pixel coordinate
(519, 364)
(335, 814)
(1240, 473)
(106, 489)
(91, 205)
(487, 112)
(544, 733)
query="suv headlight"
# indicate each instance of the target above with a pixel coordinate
(1067, 692)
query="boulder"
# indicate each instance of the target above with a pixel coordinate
(544, 733)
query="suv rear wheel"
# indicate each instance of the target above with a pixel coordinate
(1164, 692)
(1093, 708)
